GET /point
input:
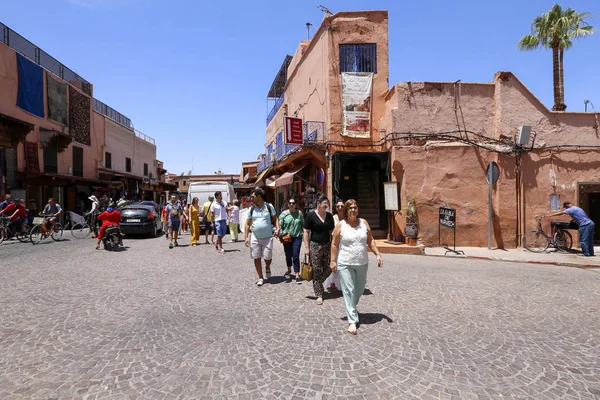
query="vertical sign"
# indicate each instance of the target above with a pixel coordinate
(293, 130)
(356, 103)
(491, 175)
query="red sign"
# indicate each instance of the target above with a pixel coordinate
(293, 130)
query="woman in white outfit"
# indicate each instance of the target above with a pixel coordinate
(351, 240)
(333, 281)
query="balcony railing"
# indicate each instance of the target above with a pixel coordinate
(314, 131)
(276, 107)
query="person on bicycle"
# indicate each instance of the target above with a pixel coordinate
(584, 223)
(93, 214)
(51, 211)
(17, 213)
(109, 217)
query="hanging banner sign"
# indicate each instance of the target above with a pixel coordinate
(356, 103)
(293, 130)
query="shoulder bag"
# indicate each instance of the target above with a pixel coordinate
(306, 269)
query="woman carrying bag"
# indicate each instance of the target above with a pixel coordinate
(318, 225)
(352, 239)
(291, 222)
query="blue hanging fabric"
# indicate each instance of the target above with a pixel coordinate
(30, 96)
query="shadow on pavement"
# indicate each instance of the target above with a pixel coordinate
(370, 318)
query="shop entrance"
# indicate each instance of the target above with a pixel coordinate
(361, 176)
(589, 201)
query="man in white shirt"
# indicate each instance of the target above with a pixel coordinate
(218, 210)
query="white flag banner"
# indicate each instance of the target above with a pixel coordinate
(356, 101)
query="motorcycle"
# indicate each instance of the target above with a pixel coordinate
(113, 238)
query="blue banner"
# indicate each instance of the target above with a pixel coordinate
(30, 96)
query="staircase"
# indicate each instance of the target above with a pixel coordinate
(368, 201)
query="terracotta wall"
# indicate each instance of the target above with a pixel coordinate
(9, 83)
(122, 143)
(437, 174)
(351, 28)
(314, 88)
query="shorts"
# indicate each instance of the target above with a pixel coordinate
(174, 224)
(261, 248)
(221, 227)
(208, 228)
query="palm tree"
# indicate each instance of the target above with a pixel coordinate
(555, 30)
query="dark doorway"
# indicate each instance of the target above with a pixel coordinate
(360, 176)
(594, 213)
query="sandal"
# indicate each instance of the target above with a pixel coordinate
(222, 251)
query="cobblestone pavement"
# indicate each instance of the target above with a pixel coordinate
(154, 323)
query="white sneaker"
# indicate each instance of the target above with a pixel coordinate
(259, 282)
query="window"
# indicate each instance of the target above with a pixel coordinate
(107, 160)
(51, 158)
(127, 164)
(145, 169)
(77, 161)
(358, 57)
(184, 183)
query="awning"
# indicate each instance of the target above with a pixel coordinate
(264, 173)
(288, 177)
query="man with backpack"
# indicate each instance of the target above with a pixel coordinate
(263, 223)
(174, 212)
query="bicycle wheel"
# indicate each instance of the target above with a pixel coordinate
(563, 240)
(36, 234)
(535, 241)
(57, 232)
(3, 234)
(81, 231)
(23, 235)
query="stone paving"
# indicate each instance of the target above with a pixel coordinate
(154, 323)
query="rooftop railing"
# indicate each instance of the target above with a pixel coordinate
(40, 57)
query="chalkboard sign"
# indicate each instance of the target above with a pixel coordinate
(448, 217)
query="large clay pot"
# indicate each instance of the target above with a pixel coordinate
(411, 230)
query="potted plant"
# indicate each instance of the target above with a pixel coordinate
(411, 230)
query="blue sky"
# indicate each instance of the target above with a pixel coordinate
(195, 74)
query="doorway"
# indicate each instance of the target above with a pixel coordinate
(589, 201)
(360, 176)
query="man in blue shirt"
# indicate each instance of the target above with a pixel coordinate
(6, 202)
(584, 223)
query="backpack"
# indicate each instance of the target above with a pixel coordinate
(269, 207)
(174, 213)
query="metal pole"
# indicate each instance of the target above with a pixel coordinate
(490, 180)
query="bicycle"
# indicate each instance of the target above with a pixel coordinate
(43, 228)
(82, 230)
(9, 230)
(538, 241)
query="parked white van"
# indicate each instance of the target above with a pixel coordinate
(202, 190)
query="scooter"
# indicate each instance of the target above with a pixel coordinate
(113, 238)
